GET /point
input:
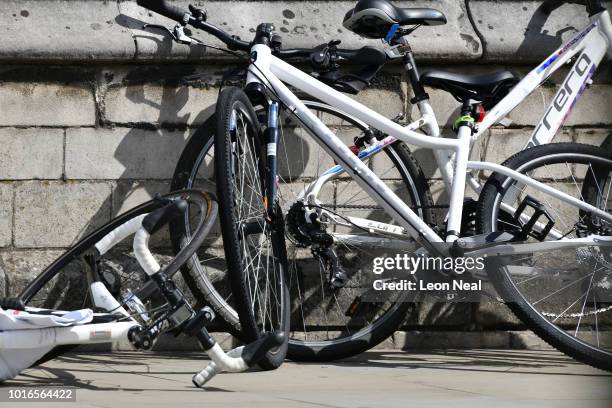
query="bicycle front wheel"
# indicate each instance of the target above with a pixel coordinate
(254, 245)
(563, 295)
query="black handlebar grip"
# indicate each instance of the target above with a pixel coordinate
(255, 351)
(160, 217)
(164, 8)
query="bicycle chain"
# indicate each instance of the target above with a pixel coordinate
(575, 315)
(375, 207)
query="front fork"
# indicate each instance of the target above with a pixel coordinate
(273, 211)
(271, 141)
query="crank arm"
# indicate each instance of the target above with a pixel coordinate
(370, 226)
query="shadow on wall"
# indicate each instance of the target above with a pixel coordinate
(136, 140)
(535, 34)
(134, 187)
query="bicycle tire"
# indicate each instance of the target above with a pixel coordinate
(198, 147)
(518, 304)
(234, 105)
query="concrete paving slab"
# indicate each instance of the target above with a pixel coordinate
(466, 378)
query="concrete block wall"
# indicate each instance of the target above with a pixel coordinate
(94, 111)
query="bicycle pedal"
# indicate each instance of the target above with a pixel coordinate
(527, 228)
(180, 315)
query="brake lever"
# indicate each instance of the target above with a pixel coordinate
(160, 27)
(181, 37)
(177, 33)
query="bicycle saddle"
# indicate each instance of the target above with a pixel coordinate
(487, 88)
(374, 18)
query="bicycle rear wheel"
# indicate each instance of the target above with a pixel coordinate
(563, 295)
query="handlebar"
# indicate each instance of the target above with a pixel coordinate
(185, 17)
(366, 55)
(162, 7)
(238, 359)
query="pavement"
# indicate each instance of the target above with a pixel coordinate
(456, 378)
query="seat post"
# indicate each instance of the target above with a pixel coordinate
(466, 106)
(413, 74)
(466, 118)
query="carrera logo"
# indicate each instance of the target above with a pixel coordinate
(571, 88)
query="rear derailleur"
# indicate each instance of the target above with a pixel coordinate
(308, 231)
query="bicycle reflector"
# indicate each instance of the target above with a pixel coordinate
(480, 114)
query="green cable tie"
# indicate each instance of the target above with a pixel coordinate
(465, 118)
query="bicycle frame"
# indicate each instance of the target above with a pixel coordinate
(274, 73)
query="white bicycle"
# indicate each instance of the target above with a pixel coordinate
(542, 216)
(85, 296)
